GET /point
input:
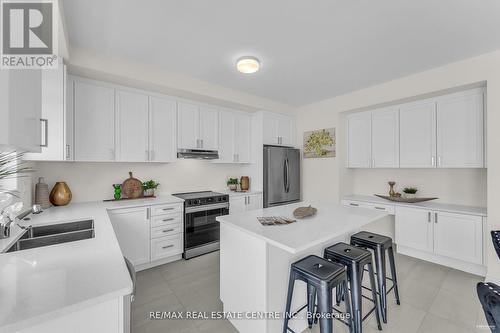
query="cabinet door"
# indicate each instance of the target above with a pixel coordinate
(132, 230)
(162, 129)
(460, 130)
(131, 127)
(53, 116)
(254, 202)
(417, 132)
(414, 228)
(242, 138)
(237, 204)
(359, 140)
(459, 236)
(227, 134)
(94, 122)
(188, 126)
(385, 138)
(285, 130)
(209, 128)
(270, 130)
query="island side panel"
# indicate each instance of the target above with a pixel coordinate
(243, 276)
(279, 262)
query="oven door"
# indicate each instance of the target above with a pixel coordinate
(200, 226)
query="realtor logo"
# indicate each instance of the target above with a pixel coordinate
(29, 34)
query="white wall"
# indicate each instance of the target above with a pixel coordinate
(93, 181)
(328, 179)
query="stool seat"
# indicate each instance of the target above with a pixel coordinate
(319, 268)
(345, 253)
(369, 239)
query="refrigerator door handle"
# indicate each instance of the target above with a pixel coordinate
(285, 180)
(287, 170)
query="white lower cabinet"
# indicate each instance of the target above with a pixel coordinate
(132, 228)
(149, 234)
(414, 228)
(244, 203)
(451, 235)
(458, 236)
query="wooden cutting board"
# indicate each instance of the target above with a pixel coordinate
(132, 187)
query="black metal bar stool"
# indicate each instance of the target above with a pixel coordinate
(380, 244)
(355, 259)
(321, 277)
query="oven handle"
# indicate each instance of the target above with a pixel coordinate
(206, 207)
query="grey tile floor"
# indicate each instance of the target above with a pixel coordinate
(433, 299)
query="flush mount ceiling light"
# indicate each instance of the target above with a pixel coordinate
(248, 64)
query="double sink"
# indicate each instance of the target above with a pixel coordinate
(51, 234)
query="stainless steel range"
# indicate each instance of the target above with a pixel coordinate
(201, 230)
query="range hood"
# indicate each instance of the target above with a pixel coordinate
(198, 154)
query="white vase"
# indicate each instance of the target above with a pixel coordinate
(409, 195)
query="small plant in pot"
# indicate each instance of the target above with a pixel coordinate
(410, 192)
(232, 183)
(149, 187)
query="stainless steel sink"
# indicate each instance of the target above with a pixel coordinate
(54, 234)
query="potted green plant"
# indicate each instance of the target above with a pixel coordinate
(149, 188)
(410, 192)
(232, 183)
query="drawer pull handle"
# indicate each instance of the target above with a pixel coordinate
(354, 204)
(380, 208)
(170, 219)
(167, 246)
(168, 208)
(168, 230)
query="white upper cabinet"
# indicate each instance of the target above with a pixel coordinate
(53, 132)
(131, 127)
(197, 127)
(209, 128)
(162, 129)
(94, 107)
(385, 138)
(188, 128)
(242, 138)
(417, 128)
(359, 140)
(234, 137)
(278, 129)
(460, 133)
(20, 110)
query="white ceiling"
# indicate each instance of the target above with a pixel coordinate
(310, 49)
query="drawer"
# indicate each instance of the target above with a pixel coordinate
(167, 230)
(382, 207)
(166, 219)
(166, 209)
(166, 247)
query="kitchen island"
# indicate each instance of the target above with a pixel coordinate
(255, 260)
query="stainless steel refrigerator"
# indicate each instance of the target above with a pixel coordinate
(281, 175)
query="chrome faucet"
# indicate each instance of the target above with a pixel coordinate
(7, 220)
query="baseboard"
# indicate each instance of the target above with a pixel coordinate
(440, 260)
(158, 262)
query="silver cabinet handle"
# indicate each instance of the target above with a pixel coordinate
(373, 163)
(435, 217)
(168, 230)
(245, 201)
(379, 208)
(197, 143)
(166, 247)
(354, 204)
(113, 154)
(45, 130)
(170, 208)
(148, 213)
(433, 161)
(248, 200)
(67, 152)
(170, 219)
(429, 217)
(439, 161)
(201, 143)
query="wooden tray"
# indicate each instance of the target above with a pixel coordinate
(406, 200)
(122, 199)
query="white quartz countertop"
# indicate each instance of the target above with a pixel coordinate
(432, 205)
(331, 221)
(44, 282)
